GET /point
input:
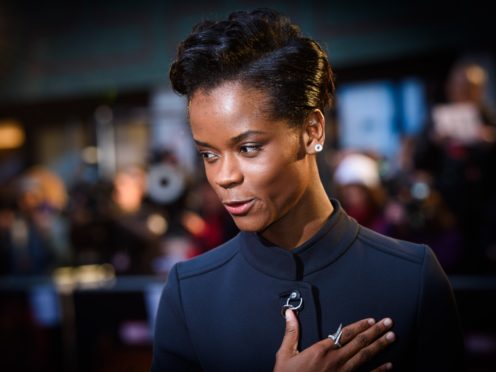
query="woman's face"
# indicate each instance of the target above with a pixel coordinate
(253, 163)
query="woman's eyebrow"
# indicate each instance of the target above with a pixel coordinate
(203, 144)
(244, 135)
(240, 137)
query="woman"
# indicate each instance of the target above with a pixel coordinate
(257, 90)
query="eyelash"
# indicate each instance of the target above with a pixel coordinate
(248, 150)
(205, 156)
(254, 148)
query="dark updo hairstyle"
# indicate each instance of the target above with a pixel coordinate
(261, 49)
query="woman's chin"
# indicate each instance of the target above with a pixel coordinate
(248, 224)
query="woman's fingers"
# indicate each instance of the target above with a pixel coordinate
(350, 331)
(354, 330)
(289, 345)
(368, 343)
(357, 335)
(360, 342)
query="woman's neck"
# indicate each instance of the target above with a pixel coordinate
(303, 220)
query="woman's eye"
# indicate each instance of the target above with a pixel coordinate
(208, 156)
(250, 149)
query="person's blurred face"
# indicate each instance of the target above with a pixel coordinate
(129, 189)
(356, 201)
(251, 161)
(467, 84)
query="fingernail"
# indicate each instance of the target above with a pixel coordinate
(387, 322)
(371, 321)
(390, 336)
(286, 314)
(389, 365)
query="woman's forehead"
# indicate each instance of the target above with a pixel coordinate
(227, 103)
(229, 112)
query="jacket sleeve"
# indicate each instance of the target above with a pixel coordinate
(172, 347)
(439, 345)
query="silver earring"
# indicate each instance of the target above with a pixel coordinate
(318, 147)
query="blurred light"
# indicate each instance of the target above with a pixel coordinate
(135, 332)
(94, 275)
(476, 75)
(153, 293)
(414, 105)
(420, 190)
(157, 224)
(11, 134)
(129, 186)
(90, 155)
(104, 114)
(63, 275)
(481, 343)
(165, 182)
(193, 223)
(45, 305)
(87, 276)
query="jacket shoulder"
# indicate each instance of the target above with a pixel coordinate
(210, 260)
(401, 249)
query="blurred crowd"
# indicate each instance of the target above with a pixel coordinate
(443, 193)
(139, 222)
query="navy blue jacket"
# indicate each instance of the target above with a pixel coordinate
(221, 311)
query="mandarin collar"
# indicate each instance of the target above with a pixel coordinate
(322, 249)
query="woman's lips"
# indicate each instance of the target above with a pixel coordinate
(238, 208)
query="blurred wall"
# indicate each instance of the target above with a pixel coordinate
(54, 49)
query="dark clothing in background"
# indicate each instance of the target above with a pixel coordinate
(222, 310)
(464, 175)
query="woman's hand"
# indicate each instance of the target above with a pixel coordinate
(360, 342)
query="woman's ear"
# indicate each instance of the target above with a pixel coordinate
(314, 132)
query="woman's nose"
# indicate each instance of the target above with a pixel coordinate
(228, 174)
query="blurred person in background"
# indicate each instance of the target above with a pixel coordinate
(171, 189)
(88, 212)
(357, 185)
(144, 220)
(416, 211)
(202, 224)
(116, 222)
(34, 232)
(136, 225)
(458, 150)
(270, 298)
(407, 208)
(210, 225)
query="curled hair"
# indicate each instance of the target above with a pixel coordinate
(261, 49)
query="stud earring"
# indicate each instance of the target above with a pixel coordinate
(318, 147)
